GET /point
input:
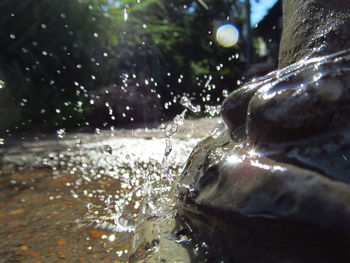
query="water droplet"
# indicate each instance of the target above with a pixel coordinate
(108, 149)
(188, 105)
(61, 133)
(111, 238)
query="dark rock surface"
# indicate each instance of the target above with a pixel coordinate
(274, 186)
(313, 28)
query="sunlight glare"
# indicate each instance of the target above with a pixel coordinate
(234, 159)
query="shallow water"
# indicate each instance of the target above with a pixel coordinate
(77, 198)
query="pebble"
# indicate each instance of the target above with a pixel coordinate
(60, 255)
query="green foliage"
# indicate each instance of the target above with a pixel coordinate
(45, 41)
(64, 49)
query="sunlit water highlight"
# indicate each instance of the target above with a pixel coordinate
(121, 179)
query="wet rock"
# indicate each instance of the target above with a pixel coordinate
(306, 98)
(289, 110)
(250, 208)
(246, 207)
(274, 185)
(313, 28)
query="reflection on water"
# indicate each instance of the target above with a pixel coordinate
(78, 199)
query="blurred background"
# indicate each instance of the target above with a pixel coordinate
(87, 64)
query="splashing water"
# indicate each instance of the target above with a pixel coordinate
(172, 129)
(160, 197)
(128, 181)
(111, 179)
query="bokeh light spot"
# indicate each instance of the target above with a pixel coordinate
(227, 35)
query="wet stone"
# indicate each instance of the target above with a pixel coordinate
(273, 186)
(304, 99)
(313, 28)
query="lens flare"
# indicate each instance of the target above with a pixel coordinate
(227, 35)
